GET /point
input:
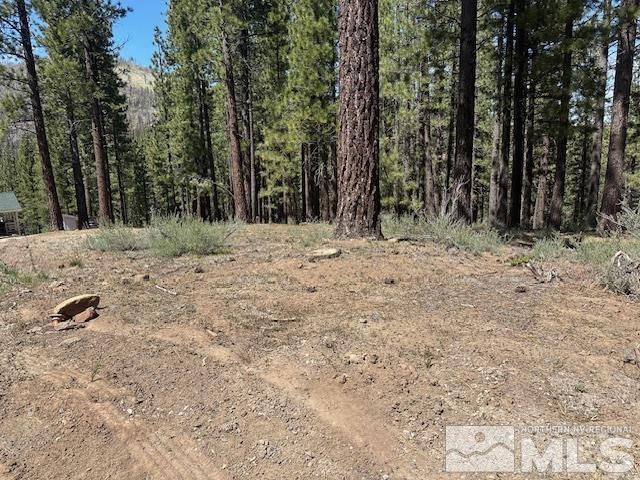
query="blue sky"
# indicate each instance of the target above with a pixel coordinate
(135, 31)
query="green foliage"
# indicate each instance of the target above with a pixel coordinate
(444, 230)
(29, 189)
(177, 236)
(117, 238)
(76, 262)
(170, 236)
(303, 111)
(549, 248)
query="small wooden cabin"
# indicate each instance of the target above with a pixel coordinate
(9, 214)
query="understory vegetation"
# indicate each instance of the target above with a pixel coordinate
(615, 260)
(11, 275)
(445, 230)
(164, 237)
(619, 272)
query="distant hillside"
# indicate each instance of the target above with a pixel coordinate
(138, 89)
(139, 92)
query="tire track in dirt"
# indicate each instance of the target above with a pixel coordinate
(347, 415)
(343, 413)
(170, 459)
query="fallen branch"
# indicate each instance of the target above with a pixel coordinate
(170, 292)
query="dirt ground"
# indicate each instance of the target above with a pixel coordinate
(261, 364)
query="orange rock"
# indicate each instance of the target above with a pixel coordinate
(89, 314)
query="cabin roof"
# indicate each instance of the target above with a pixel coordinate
(9, 203)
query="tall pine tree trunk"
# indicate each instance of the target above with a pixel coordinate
(209, 146)
(237, 171)
(539, 220)
(494, 182)
(359, 185)
(519, 115)
(105, 213)
(430, 208)
(614, 180)
(311, 188)
(578, 203)
(527, 183)
(505, 151)
(253, 167)
(465, 125)
(48, 179)
(593, 185)
(451, 132)
(247, 124)
(120, 177)
(76, 166)
(557, 200)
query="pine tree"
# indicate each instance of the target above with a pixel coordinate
(614, 180)
(602, 64)
(16, 40)
(359, 184)
(465, 127)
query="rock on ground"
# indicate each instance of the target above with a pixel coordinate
(73, 306)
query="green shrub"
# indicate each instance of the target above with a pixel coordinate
(629, 221)
(444, 230)
(117, 238)
(312, 234)
(176, 236)
(549, 248)
(617, 280)
(76, 262)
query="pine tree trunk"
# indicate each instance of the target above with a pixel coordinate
(519, 115)
(429, 184)
(593, 185)
(237, 171)
(541, 198)
(580, 188)
(527, 183)
(255, 210)
(557, 200)
(614, 179)
(247, 124)
(333, 154)
(494, 182)
(304, 178)
(311, 188)
(465, 124)
(105, 215)
(204, 159)
(87, 196)
(48, 179)
(212, 164)
(359, 184)
(76, 166)
(120, 177)
(451, 132)
(505, 151)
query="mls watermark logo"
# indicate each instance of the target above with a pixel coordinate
(548, 449)
(480, 449)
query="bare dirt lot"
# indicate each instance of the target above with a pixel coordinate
(260, 364)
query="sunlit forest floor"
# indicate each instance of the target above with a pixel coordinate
(256, 362)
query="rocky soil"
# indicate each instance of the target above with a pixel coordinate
(261, 363)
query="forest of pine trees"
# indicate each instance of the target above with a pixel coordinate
(511, 113)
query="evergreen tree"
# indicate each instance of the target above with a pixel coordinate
(359, 184)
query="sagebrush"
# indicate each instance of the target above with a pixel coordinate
(172, 236)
